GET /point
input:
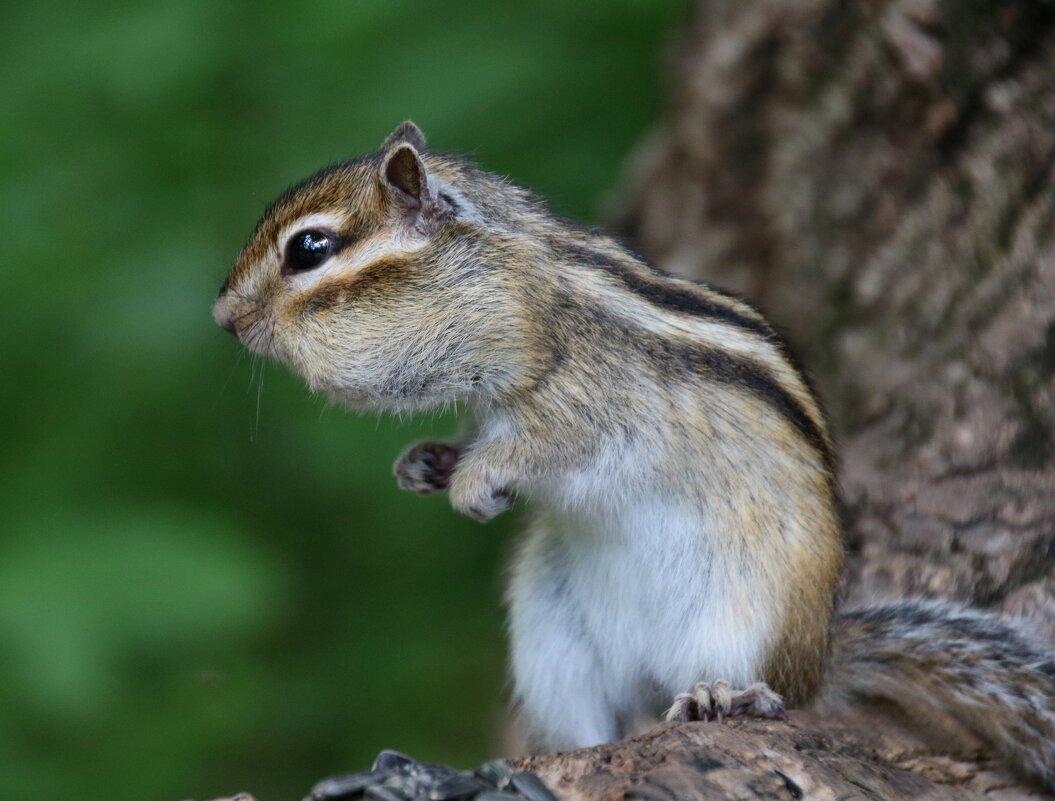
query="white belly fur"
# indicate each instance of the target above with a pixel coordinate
(614, 612)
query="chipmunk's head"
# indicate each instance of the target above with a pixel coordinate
(383, 281)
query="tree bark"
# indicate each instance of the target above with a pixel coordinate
(807, 758)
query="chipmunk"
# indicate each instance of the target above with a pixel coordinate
(683, 548)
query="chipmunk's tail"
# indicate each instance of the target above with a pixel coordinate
(941, 660)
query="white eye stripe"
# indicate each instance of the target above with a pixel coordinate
(463, 206)
(375, 248)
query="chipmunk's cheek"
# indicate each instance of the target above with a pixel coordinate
(311, 336)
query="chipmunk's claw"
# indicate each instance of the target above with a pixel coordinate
(719, 701)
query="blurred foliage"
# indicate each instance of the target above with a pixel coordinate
(208, 579)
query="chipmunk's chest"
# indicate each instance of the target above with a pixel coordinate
(616, 474)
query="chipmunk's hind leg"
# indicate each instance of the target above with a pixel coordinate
(562, 680)
(718, 701)
(557, 683)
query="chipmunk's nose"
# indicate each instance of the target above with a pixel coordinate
(224, 315)
(227, 324)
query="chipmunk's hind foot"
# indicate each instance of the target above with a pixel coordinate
(718, 701)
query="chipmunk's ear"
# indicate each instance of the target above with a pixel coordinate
(404, 175)
(406, 132)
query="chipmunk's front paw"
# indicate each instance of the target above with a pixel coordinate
(719, 701)
(478, 498)
(426, 467)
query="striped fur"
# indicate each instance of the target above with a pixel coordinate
(676, 462)
(937, 660)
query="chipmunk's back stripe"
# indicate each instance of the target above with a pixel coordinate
(667, 293)
(717, 365)
(733, 371)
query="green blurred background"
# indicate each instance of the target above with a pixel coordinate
(208, 579)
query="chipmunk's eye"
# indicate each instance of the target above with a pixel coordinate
(308, 249)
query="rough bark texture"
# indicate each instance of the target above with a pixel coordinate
(878, 177)
(807, 758)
